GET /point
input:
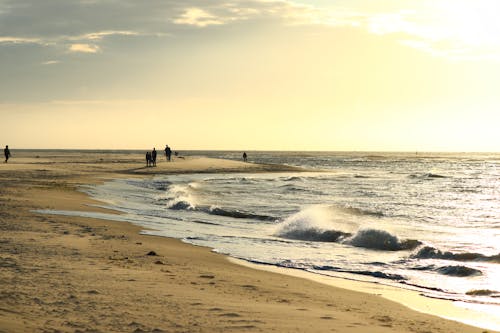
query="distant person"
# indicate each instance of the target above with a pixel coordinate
(168, 153)
(244, 157)
(6, 152)
(153, 157)
(148, 158)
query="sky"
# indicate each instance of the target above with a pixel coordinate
(358, 75)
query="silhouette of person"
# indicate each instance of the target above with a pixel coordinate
(6, 152)
(168, 153)
(153, 157)
(244, 157)
(148, 158)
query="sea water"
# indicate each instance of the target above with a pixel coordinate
(429, 222)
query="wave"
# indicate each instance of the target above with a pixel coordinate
(429, 252)
(315, 235)
(428, 176)
(457, 270)
(155, 184)
(161, 185)
(293, 188)
(184, 197)
(460, 271)
(483, 292)
(377, 274)
(311, 224)
(179, 204)
(317, 224)
(423, 268)
(292, 178)
(237, 214)
(181, 197)
(317, 269)
(381, 240)
(361, 212)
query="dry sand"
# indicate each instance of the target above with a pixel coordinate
(69, 274)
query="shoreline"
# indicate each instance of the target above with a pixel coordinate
(221, 296)
(412, 299)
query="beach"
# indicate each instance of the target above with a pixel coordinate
(76, 274)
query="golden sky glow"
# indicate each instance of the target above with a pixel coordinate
(303, 75)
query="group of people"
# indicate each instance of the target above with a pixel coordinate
(151, 156)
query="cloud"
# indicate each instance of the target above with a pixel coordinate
(50, 62)
(20, 40)
(83, 48)
(99, 35)
(236, 11)
(198, 17)
(453, 28)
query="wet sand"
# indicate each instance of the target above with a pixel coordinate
(71, 274)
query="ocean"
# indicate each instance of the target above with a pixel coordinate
(423, 221)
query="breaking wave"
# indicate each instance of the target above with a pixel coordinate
(180, 197)
(381, 240)
(460, 271)
(180, 204)
(315, 235)
(312, 224)
(429, 252)
(317, 224)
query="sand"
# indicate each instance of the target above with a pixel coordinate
(70, 274)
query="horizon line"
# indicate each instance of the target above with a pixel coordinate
(270, 150)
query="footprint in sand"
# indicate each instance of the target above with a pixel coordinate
(230, 314)
(215, 309)
(385, 321)
(207, 276)
(196, 304)
(327, 318)
(249, 286)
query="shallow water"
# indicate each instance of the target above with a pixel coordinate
(425, 222)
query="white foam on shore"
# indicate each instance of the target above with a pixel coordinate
(467, 313)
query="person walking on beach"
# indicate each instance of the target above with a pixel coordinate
(6, 152)
(168, 153)
(148, 158)
(153, 157)
(244, 157)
